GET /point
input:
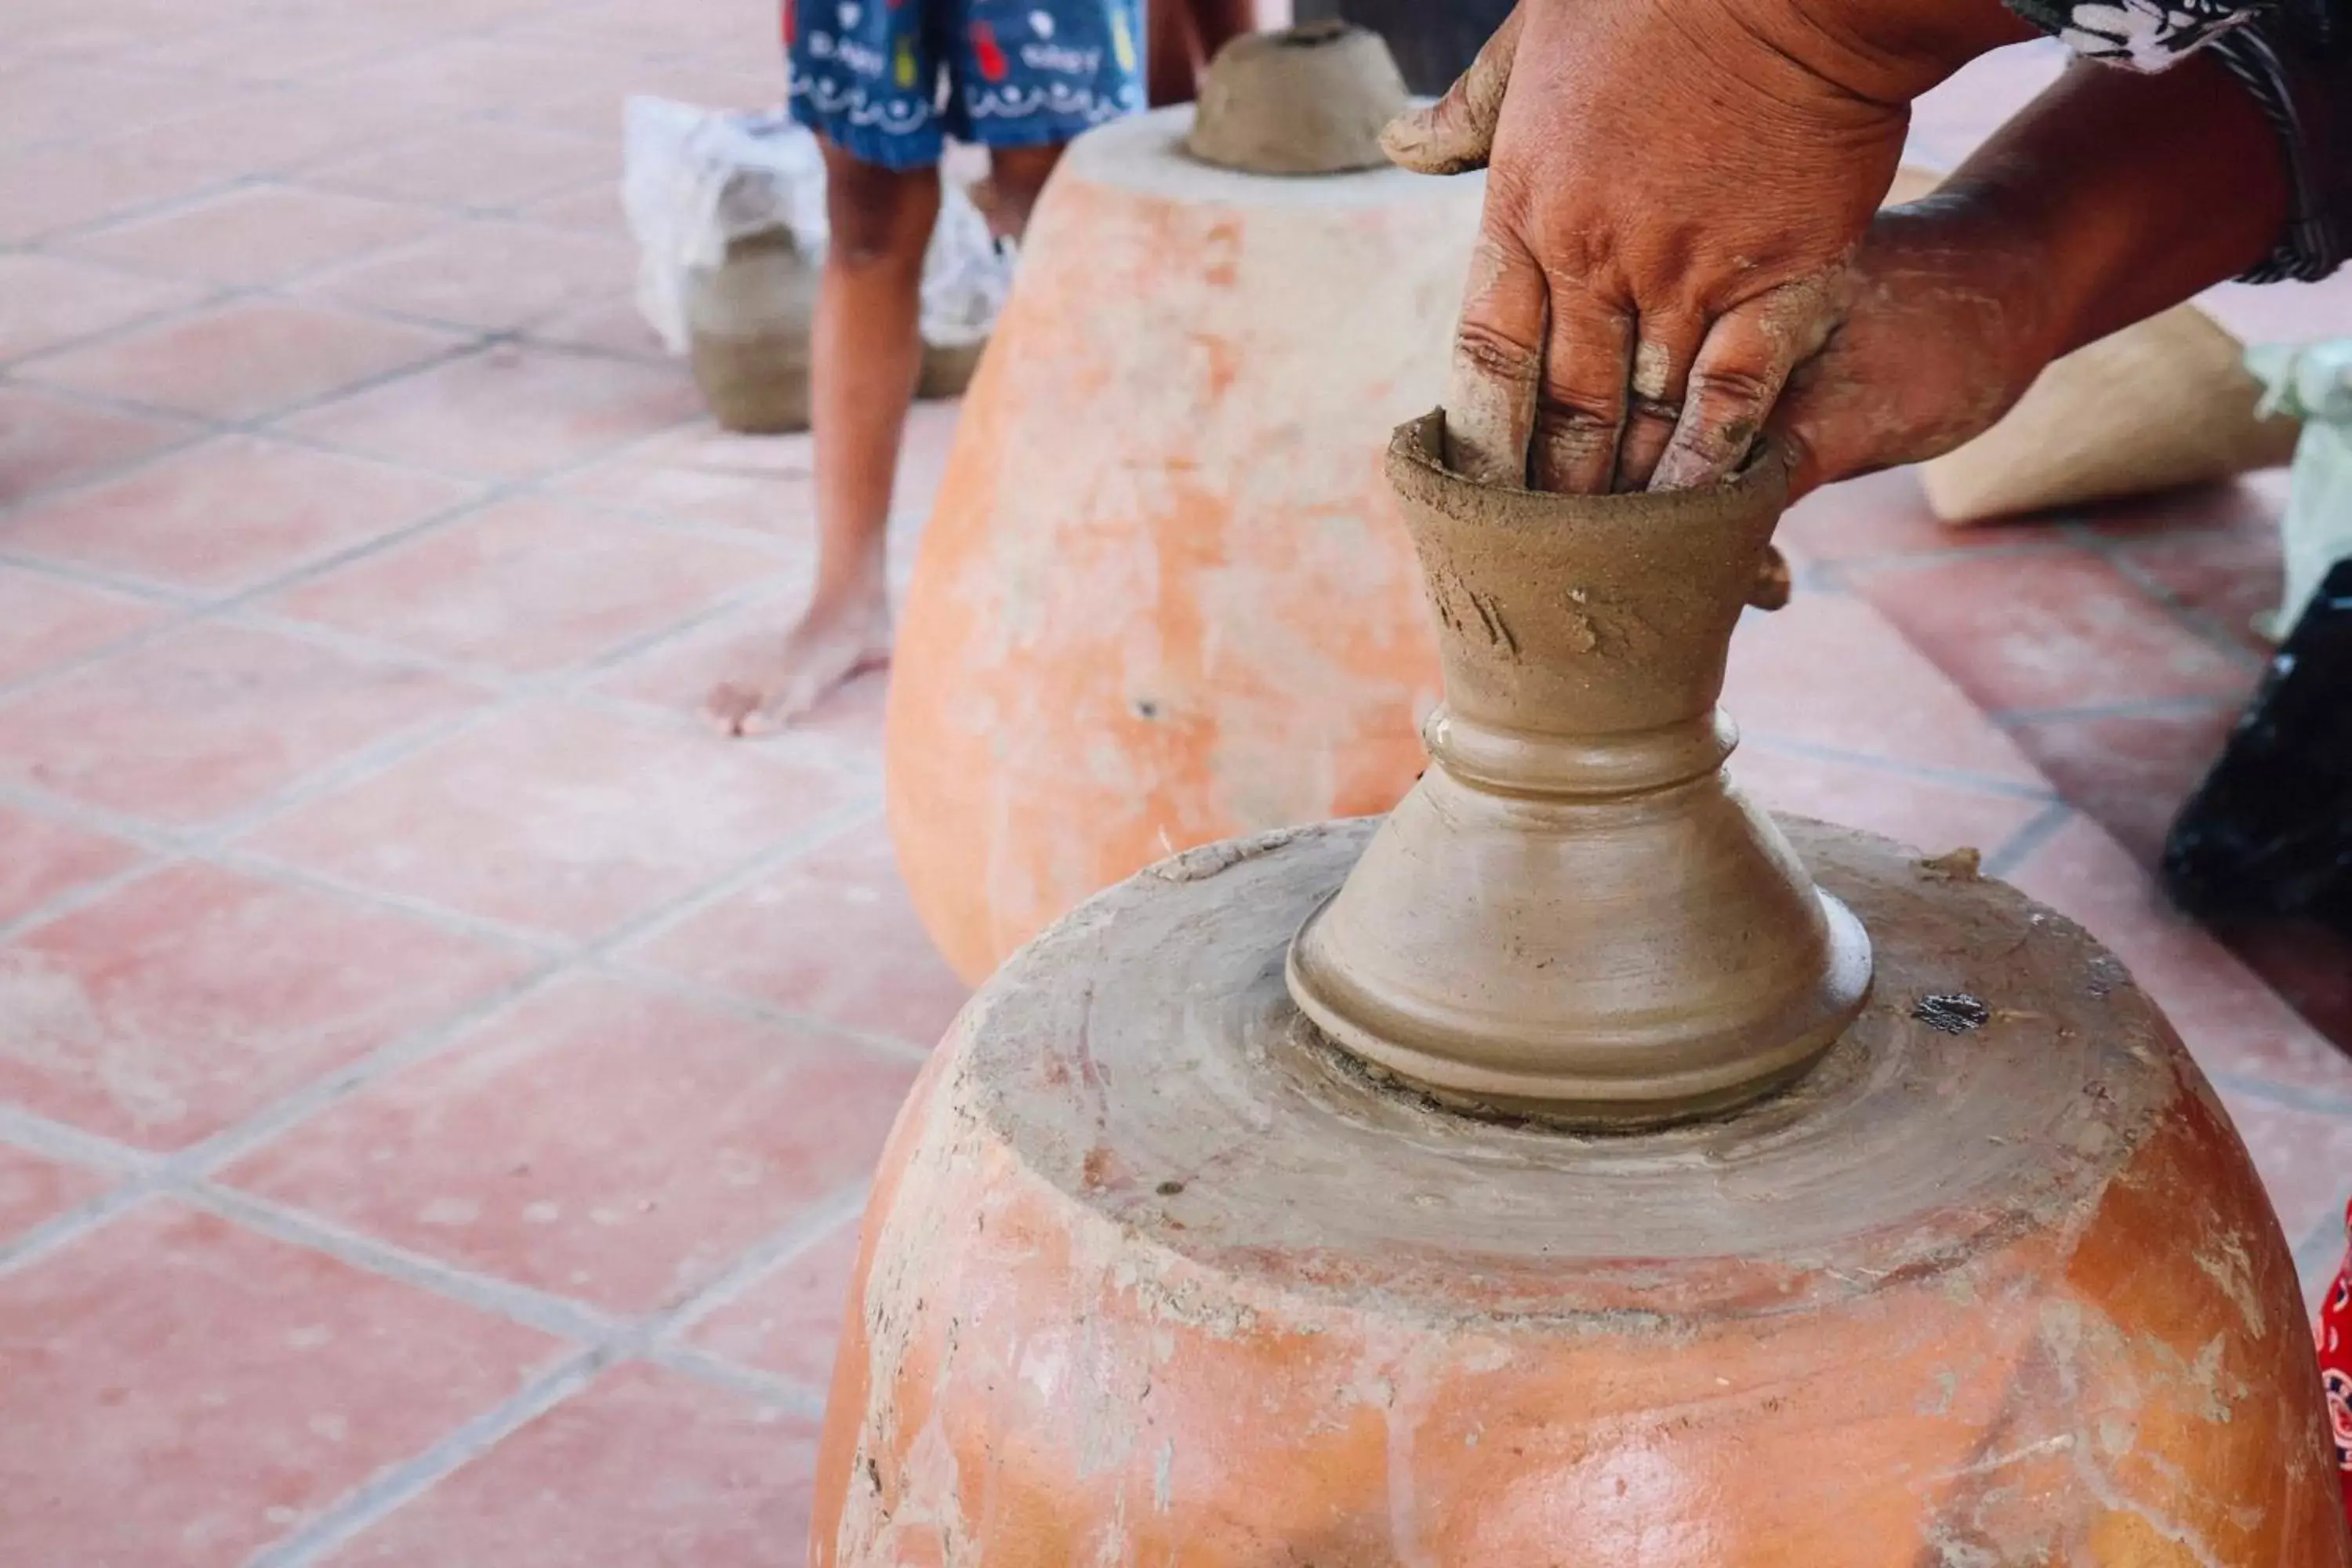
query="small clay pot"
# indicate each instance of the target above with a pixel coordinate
(750, 322)
(946, 371)
(1303, 100)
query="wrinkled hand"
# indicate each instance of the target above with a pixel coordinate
(1673, 192)
(1943, 321)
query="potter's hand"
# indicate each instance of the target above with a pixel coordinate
(1672, 193)
(1943, 321)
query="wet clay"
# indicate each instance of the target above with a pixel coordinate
(1573, 914)
(1154, 1273)
(749, 320)
(1303, 100)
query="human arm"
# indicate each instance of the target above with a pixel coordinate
(2111, 197)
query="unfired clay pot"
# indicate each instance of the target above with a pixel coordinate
(1164, 596)
(1156, 1270)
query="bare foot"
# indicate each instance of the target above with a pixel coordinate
(842, 635)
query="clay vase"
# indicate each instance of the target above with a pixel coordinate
(1158, 1269)
(1164, 596)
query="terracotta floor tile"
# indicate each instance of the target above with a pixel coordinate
(704, 474)
(273, 130)
(645, 1470)
(593, 207)
(2060, 629)
(2131, 773)
(2309, 965)
(191, 998)
(1929, 815)
(47, 440)
(257, 235)
(609, 324)
(2283, 312)
(507, 413)
(210, 720)
(287, 46)
(661, 1139)
(482, 165)
(34, 1191)
(2233, 1022)
(487, 274)
(831, 935)
(532, 585)
(2226, 578)
(241, 361)
(1879, 514)
(230, 514)
(788, 1321)
(60, 188)
(2305, 1159)
(42, 859)
(182, 1392)
(1828, 670)
(562, 818)
(46, 301)
(46, 621)
(456, 76)
(2249, 505)
(73, 99)
(845, 727)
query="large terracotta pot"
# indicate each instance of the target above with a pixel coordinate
(1152, 1274)
(1259, 1212)
(1164, 598)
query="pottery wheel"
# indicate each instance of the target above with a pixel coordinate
(1906, 1148)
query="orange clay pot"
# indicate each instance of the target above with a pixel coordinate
(1154, 1275)
(1164, 598)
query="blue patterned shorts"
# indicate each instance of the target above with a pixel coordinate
(885, 81)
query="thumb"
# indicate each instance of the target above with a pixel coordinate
(1454, 134)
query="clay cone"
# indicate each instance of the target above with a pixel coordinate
(2165, 403)
(1302, 100)
(1165, 596)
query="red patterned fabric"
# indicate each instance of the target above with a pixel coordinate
(2336, 1366)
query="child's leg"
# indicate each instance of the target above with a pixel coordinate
(867, 353)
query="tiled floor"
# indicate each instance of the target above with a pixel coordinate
(437, 1077)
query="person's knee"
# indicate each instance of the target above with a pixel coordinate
(1016, 178)
(878, 216)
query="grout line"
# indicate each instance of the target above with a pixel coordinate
(2134, 708)
(389, 1489)
(2045, 826)
(752, 1383)
(752, 1009)
(2289, 1097)
(760, 1259)
(64, 1230)
(71, 1145)
(1987, 783)
(524, 1304)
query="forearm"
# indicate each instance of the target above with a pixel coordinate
(2130, 193)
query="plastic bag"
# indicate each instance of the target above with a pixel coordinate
(2312, 383)
(695, 180)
